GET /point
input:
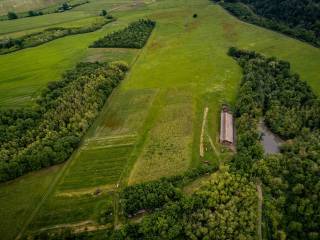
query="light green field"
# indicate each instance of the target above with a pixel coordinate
(40, 22)
(85, 22)
(19, 198)
(151, 125)
(24, 5)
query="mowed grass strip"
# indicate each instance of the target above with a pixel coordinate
(96, 167)
(65, 210)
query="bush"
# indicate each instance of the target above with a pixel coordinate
(103, 13)
(12, 15)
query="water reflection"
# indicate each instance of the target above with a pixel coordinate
(271, 143)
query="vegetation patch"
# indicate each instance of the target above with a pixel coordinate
(47, 134)
(134, 36)
(50, 34)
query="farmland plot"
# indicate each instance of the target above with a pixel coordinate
(167, 149)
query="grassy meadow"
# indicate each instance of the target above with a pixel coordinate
(24, 5)
(151, 125)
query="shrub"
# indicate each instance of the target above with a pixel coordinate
(12, 15)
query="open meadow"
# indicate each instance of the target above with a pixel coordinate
(151, 125)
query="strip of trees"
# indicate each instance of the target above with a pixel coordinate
(47, 35)
(48, 133)
(290, 179)
(225, 208)
(154, 195)
(296, 18)
(134, 36)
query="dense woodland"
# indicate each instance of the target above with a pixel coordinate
(134, 36)
(47, 35)
(47, 133)
(290, 179)
(297, 18)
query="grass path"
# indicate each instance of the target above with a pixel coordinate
(260, 201)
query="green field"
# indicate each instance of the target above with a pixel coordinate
(40, 22)
(24, 5)
(151, 125)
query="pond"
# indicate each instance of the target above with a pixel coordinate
(271, 142)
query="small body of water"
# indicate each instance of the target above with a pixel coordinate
(271, 142)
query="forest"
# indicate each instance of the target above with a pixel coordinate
(134, 36)
(47, 133)
(35, 39)
(290, 179)
(299, 19)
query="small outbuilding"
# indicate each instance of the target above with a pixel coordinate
(226, 127)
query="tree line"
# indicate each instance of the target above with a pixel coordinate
(35, 39)
(224, 208)
(134, 36)
(290, 179)
(153, 195)
(48, 133)
(298, 19)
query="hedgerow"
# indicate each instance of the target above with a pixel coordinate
(134, 36)
(35, 39)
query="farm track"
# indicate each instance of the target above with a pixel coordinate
(204, 122)
(260, 202)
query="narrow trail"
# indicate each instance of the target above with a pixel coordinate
(260, 201)
(204, 121)
(67, 225)
(214, 148)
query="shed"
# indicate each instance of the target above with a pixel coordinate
(226, 127)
